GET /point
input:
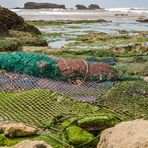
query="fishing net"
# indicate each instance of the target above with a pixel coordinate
(61, 69)
(38, 101)
(36, 89)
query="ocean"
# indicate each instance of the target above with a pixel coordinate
(111, 14)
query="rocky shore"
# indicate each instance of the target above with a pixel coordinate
(37, 110)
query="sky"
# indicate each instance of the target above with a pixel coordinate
(72, 3)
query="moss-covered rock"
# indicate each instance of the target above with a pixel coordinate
(10, 20)
(98, 122)
(2, 140)
(76, 135)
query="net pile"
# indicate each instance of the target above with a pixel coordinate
(57, 69)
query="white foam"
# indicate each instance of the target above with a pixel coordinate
(132, 10)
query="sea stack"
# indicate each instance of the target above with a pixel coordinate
(33, 5)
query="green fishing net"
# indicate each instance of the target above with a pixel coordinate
(30, 63)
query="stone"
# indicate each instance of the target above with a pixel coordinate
(97, 122)
(33, 5)
(10, 20)
(131, 134)
(32, 144)
(142, 19)
(93, 7)
(81, 7)
(18, 130)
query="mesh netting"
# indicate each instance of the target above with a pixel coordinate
(87, 92)
(39, 101)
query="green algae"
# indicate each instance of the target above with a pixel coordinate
(57, 23)
(103, 39)
(77, 135)
(9, 44)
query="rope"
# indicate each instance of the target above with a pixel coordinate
(87, 69)
(65, 63)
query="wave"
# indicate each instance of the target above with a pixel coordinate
(131, 10)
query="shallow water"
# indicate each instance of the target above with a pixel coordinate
(68, 32)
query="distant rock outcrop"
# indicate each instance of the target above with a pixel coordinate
(93, 7)
(33, 5)
(10, 20)
(81, 7)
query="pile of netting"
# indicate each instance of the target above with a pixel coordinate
(61, 69)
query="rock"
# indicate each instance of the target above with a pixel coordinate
(97, 123)
(121, 14)
(142, 19)
(93, 7)
(77, 135)
(33, 5)
(10, 20)
(18, 130)
(81, 7)
(131, 134)
(32, 144)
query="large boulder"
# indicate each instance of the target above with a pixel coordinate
(10, 20)
(93, 7)
(32, 144)
(81, 7)
(33, 5)
(131, 134)
(17, 130)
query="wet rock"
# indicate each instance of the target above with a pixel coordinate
(10, 20)
(142, 19)
(17, 130)
(93, 7)
(81, 7)
(131, 134)
(32, 144)
(121, 14)
(33, 5)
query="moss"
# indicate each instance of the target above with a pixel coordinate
(55, 34)
(9, 44)
(103, 39)
(2, 140)
(28, 39)
(54, 23)
(98, 122)
(77, 135)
